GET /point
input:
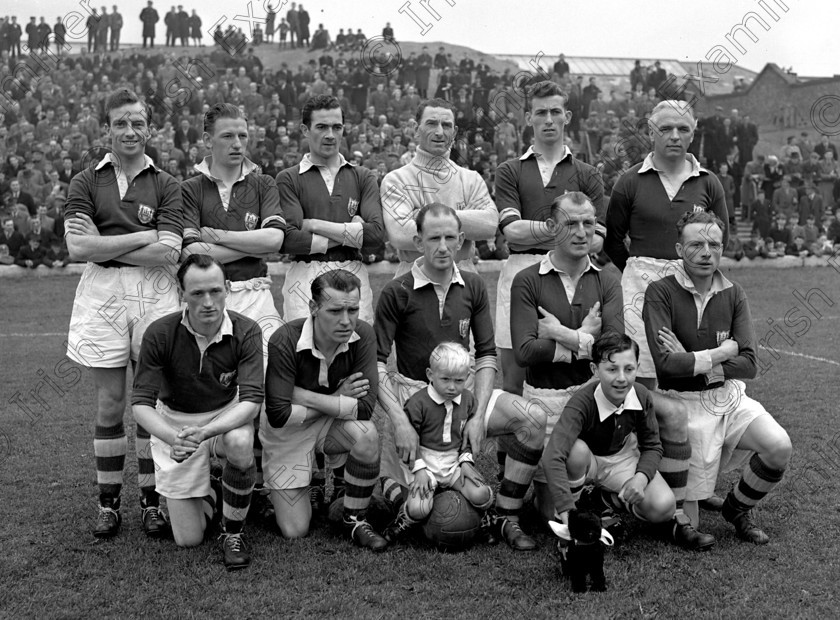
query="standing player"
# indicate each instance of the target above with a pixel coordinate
(525, 190)
(645, 205)
(333, 211)
(198, 386)
(435, 302)
(558, 307)
(432, 177)
(232, 212)
(124, 217)
(321, 386)
(702, 339)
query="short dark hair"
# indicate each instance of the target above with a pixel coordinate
(201, 261)
(220, 110)
(123, 97)
(543, 89)
(319, 102)
(434, 103)
(435, 209)
(611, 342)
(698, 217)
(576, 198)
(338, 279)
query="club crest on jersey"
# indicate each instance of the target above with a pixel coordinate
(721, 336)
(698, 208)
(226, 378)
(352, 207)
(251, 220)
(145, 213)
(464, 327)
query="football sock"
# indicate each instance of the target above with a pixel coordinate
(258, 479)
(360, 480)
(392, 491)
(145, 468)
(674, 468)
(338, 480)
(576, 487)
(757, 480)
(237, 486)
(319, 474)
(520, 467)
(109, 448)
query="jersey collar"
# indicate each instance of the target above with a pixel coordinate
(203, 167)
(440, 398)
(606, 408)
(226, 328)
(421, 280)
(546, 266)
(306, 342)
(306, 163)
(696, 168)
(532, 153)
(719, 281)
(147, 163)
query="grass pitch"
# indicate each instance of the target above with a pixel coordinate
(52, 567)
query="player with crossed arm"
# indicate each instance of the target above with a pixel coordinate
(646, 203)
(435, 302)
(432, 177)
(333, 216)
(124, 217)
(232, 212)
(702, 339)
(321, 386)
(558, 307)
(198, 386)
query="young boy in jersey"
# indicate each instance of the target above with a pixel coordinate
(608, 435)
(439, 414)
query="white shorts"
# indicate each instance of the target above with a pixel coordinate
(513, 265)
(289, 451)
(112, 309)
(443, 467)
(190, 478)
(639, 272)
(252, 298)
(717, 419)
(298, 283)
(552, 402)
(611, 472)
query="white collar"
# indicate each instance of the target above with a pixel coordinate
(547, 266)
(204, 165)
(147, 162)
(606, 408)
(421, 279)
(439, 398)
(719, 281)
(531, 152)
(696, 168)
(306, 163)
(225, 329)
(306, 342)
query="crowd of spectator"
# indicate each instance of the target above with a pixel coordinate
(52, 125)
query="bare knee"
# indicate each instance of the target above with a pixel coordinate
(365, 441)
(187, 539)
(778, 451)
(658, 507)
(239, 447)
(531, 420)
(672, 416)
(578, 460)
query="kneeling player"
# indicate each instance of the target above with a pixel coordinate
(439, 414)
(608, 435)
(702, 339)
(321, 387)
(197, 389)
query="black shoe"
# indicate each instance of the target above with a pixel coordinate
(510, 531)
(109, 519)
(712, 504)
(261, 510)
(684, 534)
(235, 551)
(154, 520)
(399, 529)
(747, 530)
(361, 533)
